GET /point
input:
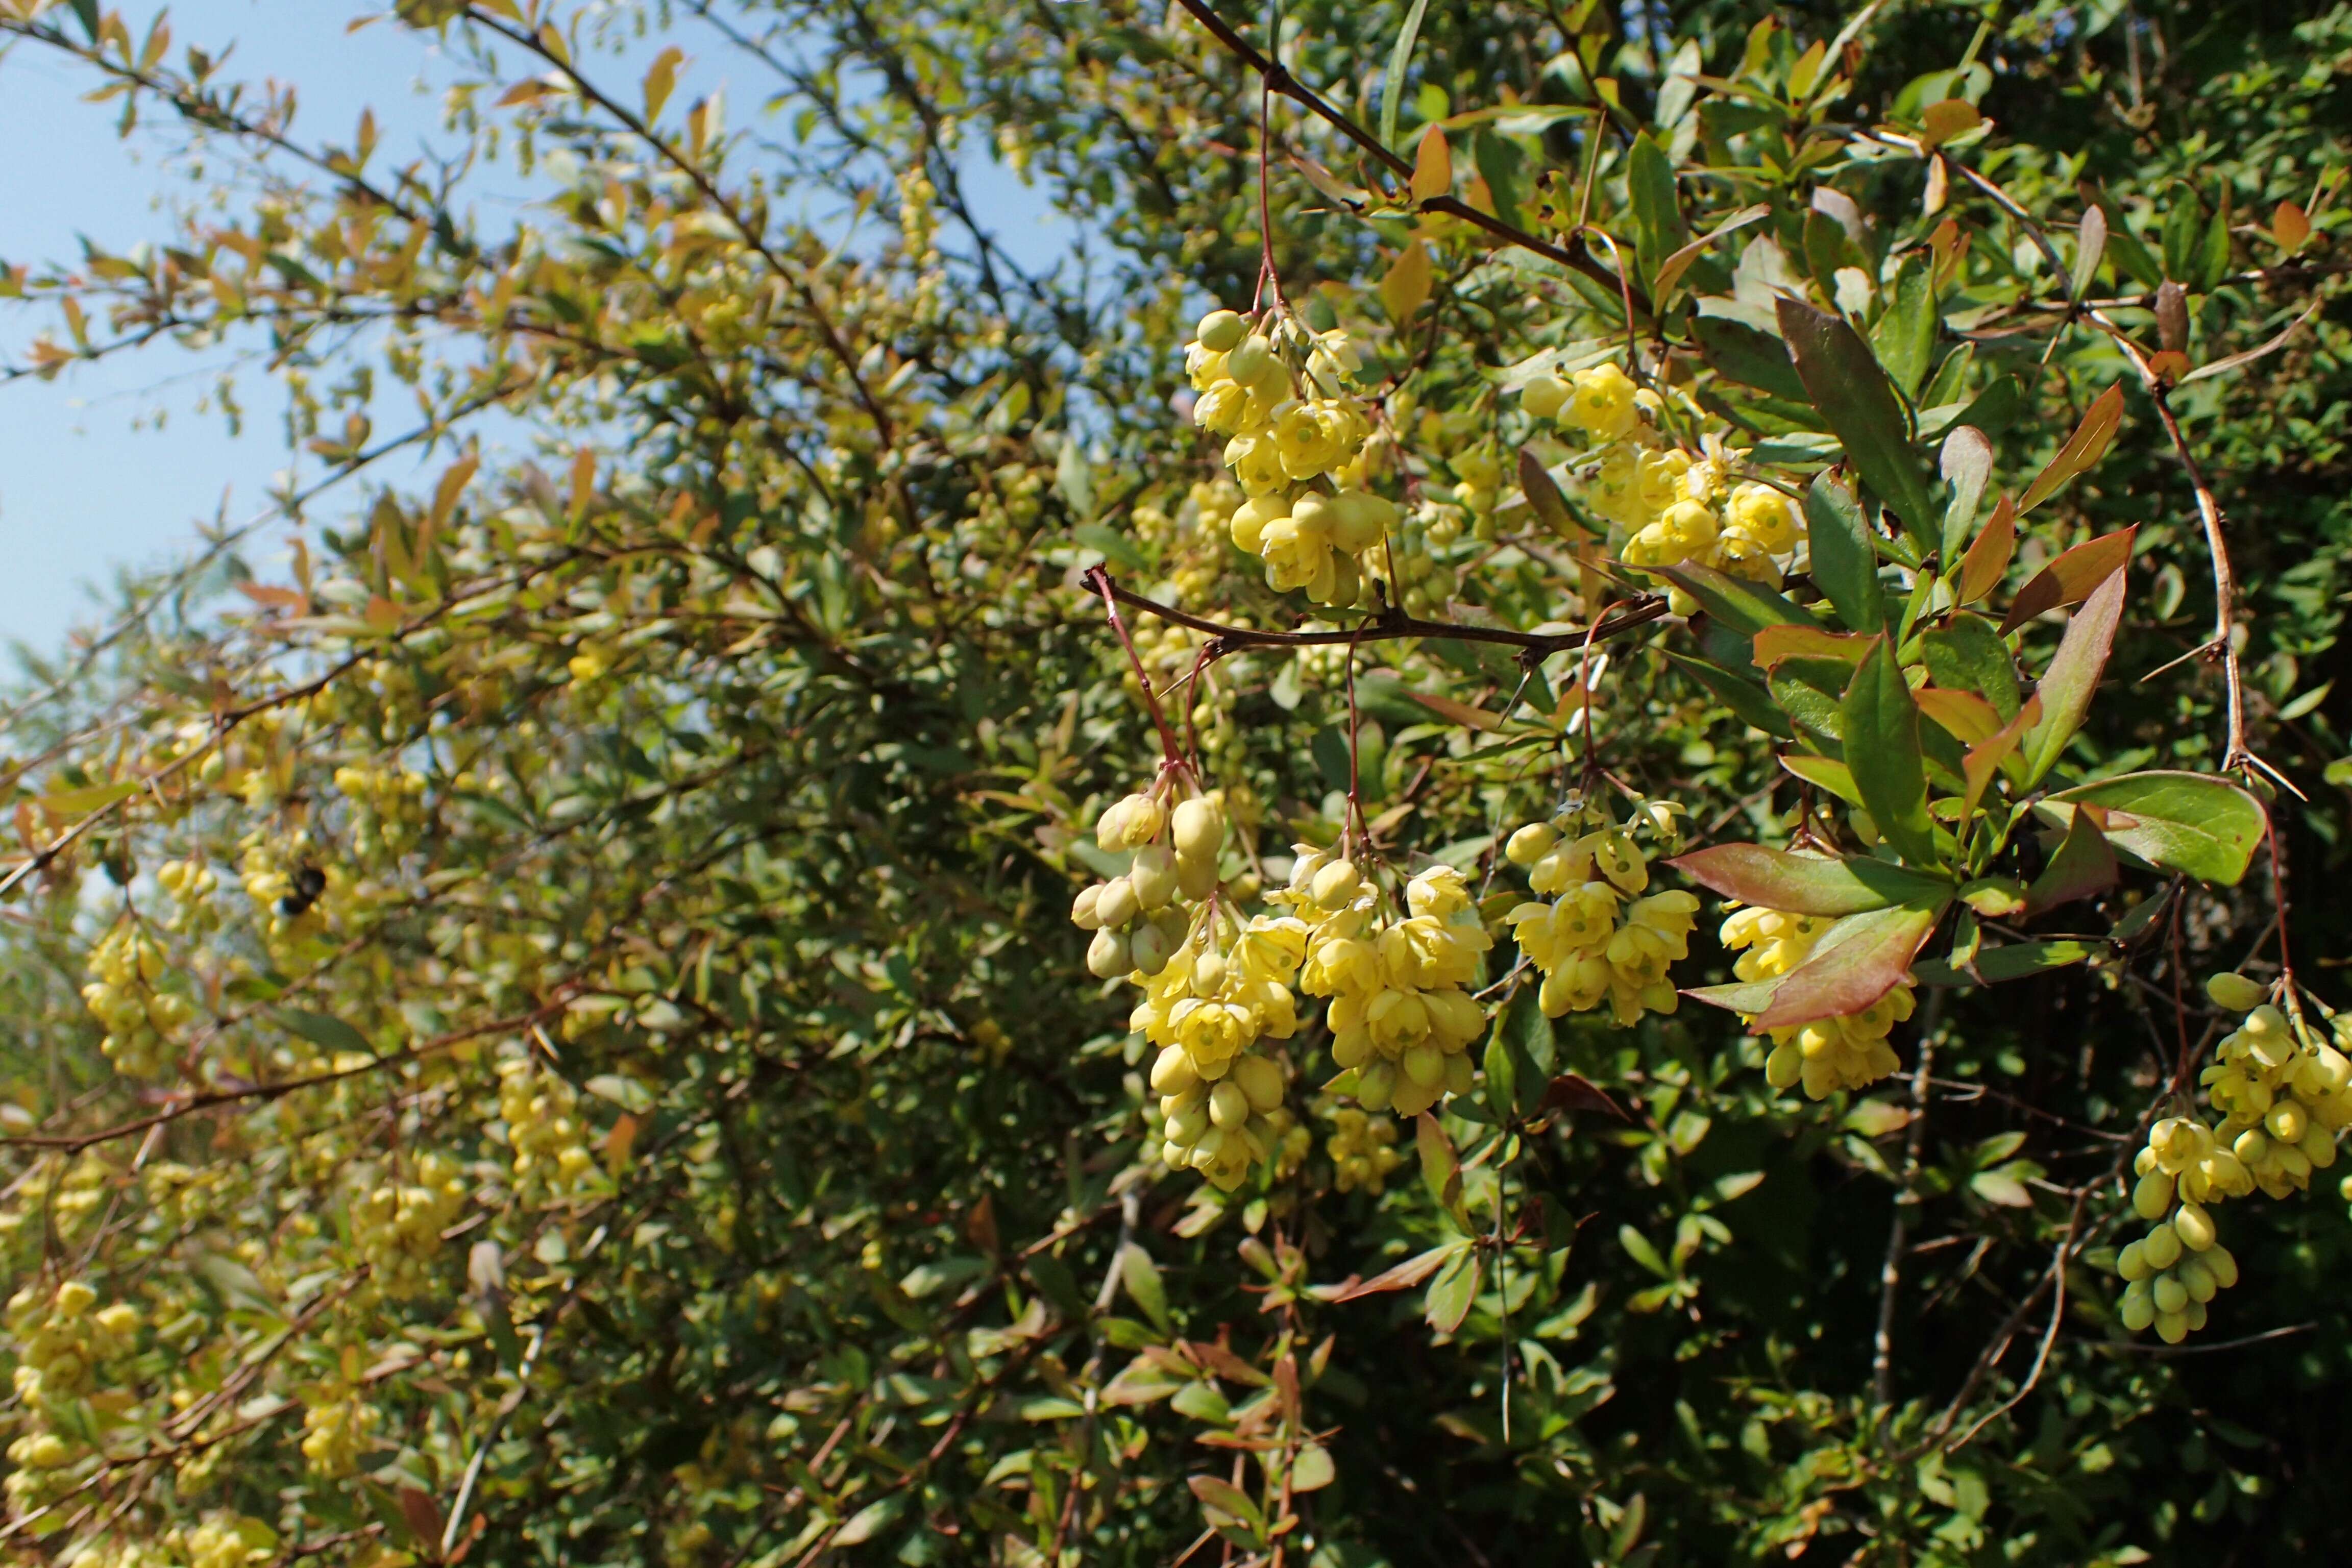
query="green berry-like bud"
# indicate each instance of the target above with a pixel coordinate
(1249, 359)
(1544, 395)
(2235, 992)
(1107, 956)
(1260, 1078)
(1220, 331)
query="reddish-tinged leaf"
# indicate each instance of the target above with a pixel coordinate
(2067, 686)
(2071, 578)
(2086, 446)
(1574, 1092)
(1987, 755)
(2289, 225)
(1454, 1291)
(1859, 960)
(1986, 560)
(423, 1514)
(1948, 118)
(1774, 644)
(1432, 166)
(1965, 716)
(1404, 1275)
(1803, 884)
(1456, 712)
(1824, 773)
(273, 597)
(1545, 499)
(2082, 865)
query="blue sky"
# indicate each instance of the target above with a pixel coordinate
(111, 464)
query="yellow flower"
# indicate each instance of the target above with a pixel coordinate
(1315, 437)
(1764, 515)
(1600, 403)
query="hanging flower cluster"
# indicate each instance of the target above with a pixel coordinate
(1297, 439)
(1670, 505)
(1828, 1054)
(2284, 1095)
(1591, 945)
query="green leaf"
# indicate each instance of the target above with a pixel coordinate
(1809, 705)
(1846, 561)
(1845, 383)
(1658, 228)
(1439, 1163)
(1824, 773)
(1400, 60)
(1638, 1248)
(1882, 748)
(2194, 824)
(2012, 962)
(1313, 1470)
(2082, 865)
(1502, 1073)
(1806, 884)
(1225, 1506)
(2183, 232)
(2213, 255)
(2000, 1187)
(1749, 356)
(2067, 686)
(1140, 1277)
(1544, 497)
(329, 1033)
(1968, 656)
(1073, 476)
(1452, 1293)
(1966, 463)
(1747, 698)
(1111, 545)
(1904, 338)
(1746, 608)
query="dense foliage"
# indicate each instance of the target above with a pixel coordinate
(547, 1023)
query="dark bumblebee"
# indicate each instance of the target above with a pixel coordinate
(309, 883)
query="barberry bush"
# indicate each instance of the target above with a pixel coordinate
(1580, 805)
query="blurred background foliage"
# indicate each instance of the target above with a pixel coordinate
(634, 1093)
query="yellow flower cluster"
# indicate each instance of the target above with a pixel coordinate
(141, 1021)
(1214, 988)
(59, 1192)
(61, 1337)
(2284, 1095)
(191, 884)
(1670, 504)
(1588, 943)
(1402, 1016)
(1295, 444)
(292, 893)
(387, 808)
(1362, 1149)
(1827, 1054)
(397, 1225)
(230, 1540)
(336, 1432)
(543, 1116)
